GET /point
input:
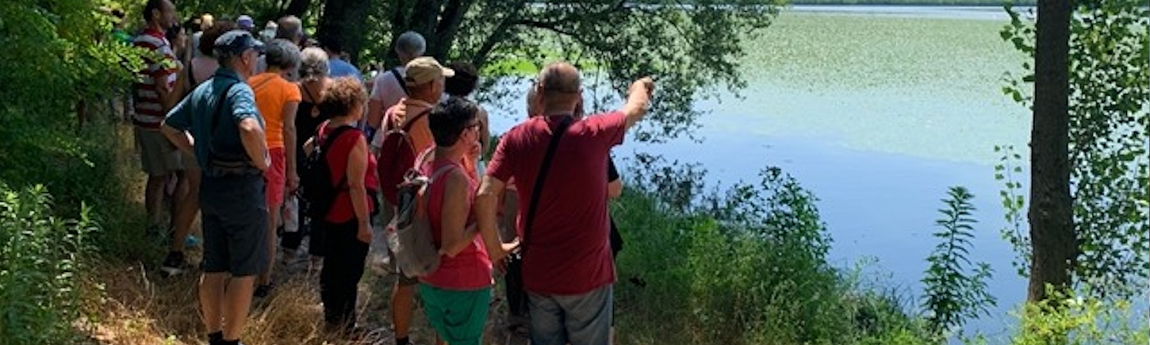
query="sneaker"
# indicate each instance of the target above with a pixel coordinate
(263, 291)
(192, 241)
(174, 264)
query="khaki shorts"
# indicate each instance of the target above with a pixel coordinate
(158, 157)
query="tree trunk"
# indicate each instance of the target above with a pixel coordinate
(297, 8)
(1051, 219)
(346, 20)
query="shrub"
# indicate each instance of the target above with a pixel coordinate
(1073, 319)
(746, 265)
(40, 256)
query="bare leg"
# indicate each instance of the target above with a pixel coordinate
(239, 301)
(154, 197)
(273, 223)
(402, 308)
(186, 208)
(212, 299)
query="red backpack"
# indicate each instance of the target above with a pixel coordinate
(396, 158)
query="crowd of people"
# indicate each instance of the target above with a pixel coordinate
(249, 127)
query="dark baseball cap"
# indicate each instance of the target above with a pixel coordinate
(236, 42)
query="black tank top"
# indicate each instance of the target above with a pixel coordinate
(307, 121)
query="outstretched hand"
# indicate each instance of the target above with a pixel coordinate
(644, 85)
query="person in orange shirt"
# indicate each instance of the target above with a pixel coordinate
(277, 100)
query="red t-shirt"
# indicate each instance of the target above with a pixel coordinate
(567, 249)
(470, 269)
(337, 157)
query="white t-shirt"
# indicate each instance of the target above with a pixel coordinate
(387, 89)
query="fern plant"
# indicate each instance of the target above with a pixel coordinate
(955, 287)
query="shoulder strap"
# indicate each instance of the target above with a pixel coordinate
(223, 98)
(535, 192)
(439, 172)
(407, 126)
(314, 99)
(398, 79)
(325, 143)
(215, 122)
(328, 140)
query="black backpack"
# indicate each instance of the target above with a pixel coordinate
(315, 175)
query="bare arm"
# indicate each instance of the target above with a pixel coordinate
(178, 90)
(454, 235)
(252, 136)
(290, 145)
(614, 188)
(356, 170)
(169, 94)
(307, 146)
(638, 98)
(375, 113)
(486, 205)
(484, 130)
(177, 137)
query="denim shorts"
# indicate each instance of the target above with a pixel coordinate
(571, 319)
(234, 221)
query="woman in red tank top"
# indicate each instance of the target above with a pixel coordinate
(456, 295)
(347, 226)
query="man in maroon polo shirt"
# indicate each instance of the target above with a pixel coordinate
(567, 268)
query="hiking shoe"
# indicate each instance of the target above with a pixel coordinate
(174, 264)
(263, 291)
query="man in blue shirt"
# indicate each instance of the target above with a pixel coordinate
(336, 66)
(221, 119)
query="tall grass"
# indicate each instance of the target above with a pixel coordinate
(41, 257)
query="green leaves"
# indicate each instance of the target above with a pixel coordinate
(39, 259)
(1109, 106)
(690, 50)
(955, 292)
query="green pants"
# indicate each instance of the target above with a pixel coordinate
(457, 316)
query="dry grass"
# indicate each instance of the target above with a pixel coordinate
(140, 307)
(129, 302)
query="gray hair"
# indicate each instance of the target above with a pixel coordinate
(289, 28)
(282, 54)
(410, 43)
(313, 64)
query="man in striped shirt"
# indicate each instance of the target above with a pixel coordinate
(154, 95)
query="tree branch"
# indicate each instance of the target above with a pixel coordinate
(448, 25)
(550, 26)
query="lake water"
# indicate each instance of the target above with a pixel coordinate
(877, 110)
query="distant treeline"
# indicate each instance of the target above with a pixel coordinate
(914, 2)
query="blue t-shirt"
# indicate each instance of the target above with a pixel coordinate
(195, 112)
(336, 68)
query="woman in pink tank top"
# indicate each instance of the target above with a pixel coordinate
(456, 295)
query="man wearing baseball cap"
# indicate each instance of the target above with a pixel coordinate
(425, 79)
(221, 117)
